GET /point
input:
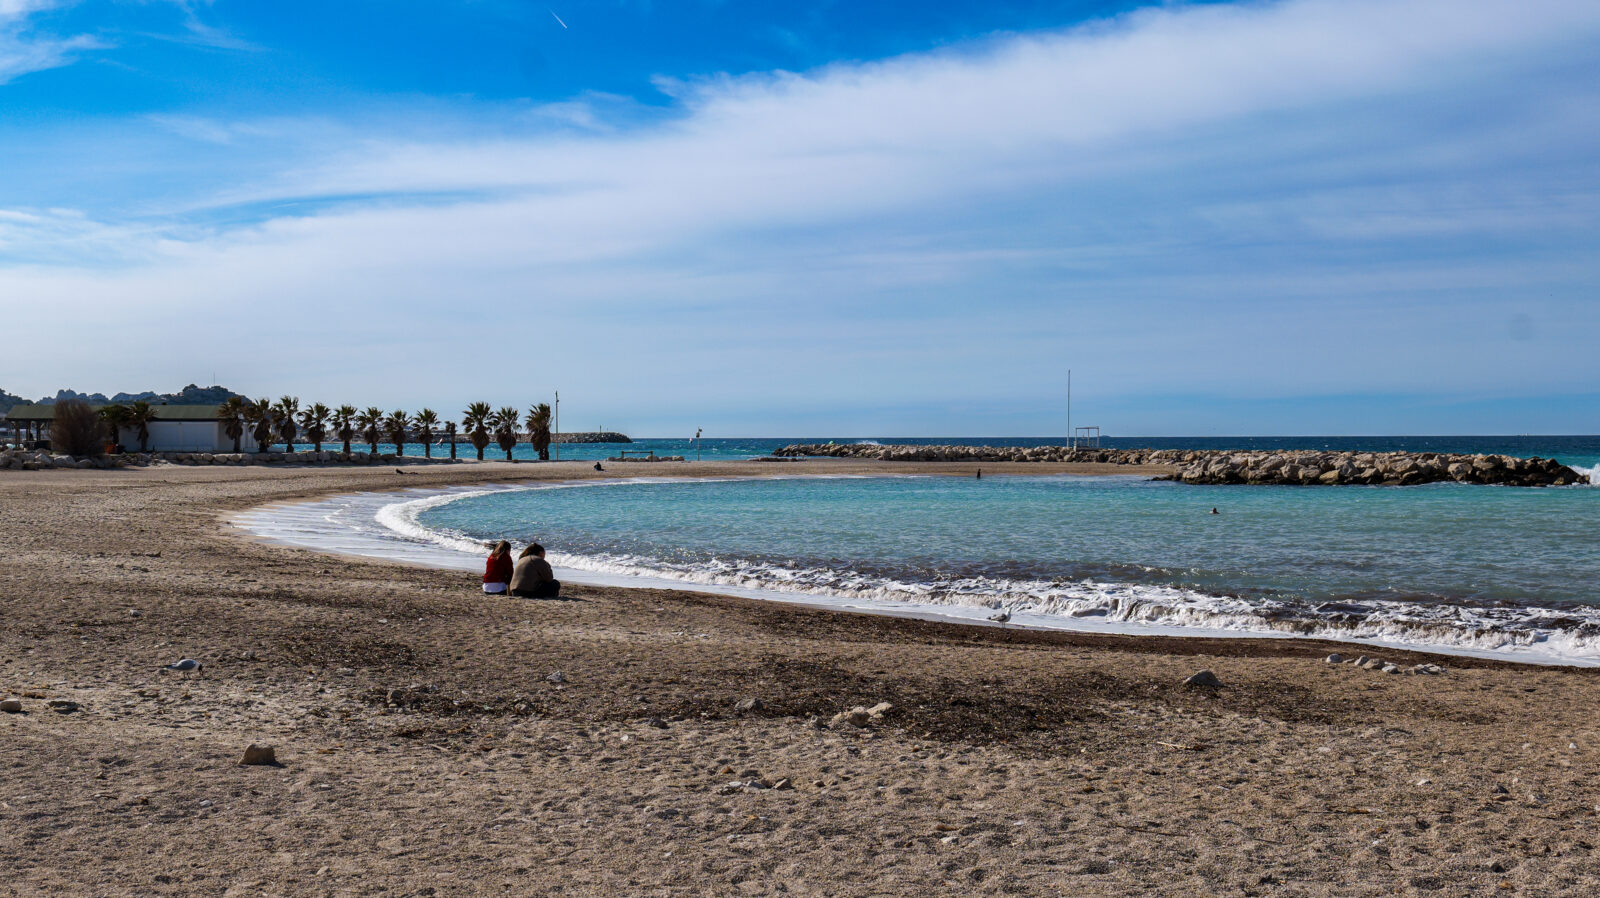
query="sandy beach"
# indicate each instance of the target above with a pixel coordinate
(428, 749)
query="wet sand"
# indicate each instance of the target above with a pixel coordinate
(426, 752)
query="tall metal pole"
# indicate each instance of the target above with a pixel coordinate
(558, 425)
(1071, 440)
(697, 432)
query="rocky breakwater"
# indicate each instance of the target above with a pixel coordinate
(1374, 469)
(985, 453)
(1295, 468)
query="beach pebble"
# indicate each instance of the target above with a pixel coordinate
(1334, 658)
(258, 754)
(1204, 678)
(656, 722)
(62, 706)
(556, 677)
(1390, 668)
(134, 612)
(857, 717)
(749, 704)
(783, 784)
(1429, 669)
(11, 706)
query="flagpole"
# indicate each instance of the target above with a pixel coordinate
(558, 425)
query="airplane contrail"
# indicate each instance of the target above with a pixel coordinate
(558, 18)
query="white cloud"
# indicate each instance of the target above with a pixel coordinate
(1119, 190)
(22, 51)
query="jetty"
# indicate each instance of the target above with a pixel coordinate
(1202, 466)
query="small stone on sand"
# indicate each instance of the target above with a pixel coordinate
(258, 754)
(1204, 678)
(11, 706)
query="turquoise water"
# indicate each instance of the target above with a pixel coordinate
(1444, 564)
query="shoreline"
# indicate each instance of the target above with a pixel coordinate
(388, 542)
(428, 747)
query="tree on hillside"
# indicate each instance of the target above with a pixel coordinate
(426, 421)
(232, 415)
(539, 429)
(476, 421)
(344, 421)
(287, 410)
(395, 425)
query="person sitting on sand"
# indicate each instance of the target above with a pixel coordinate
(597, 467)
(497, 573)
(532, 578)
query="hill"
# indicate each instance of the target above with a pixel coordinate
(190, 395)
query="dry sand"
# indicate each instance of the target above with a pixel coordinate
(426, 753)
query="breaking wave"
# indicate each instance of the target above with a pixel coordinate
(1565, 635)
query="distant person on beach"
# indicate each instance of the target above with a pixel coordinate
(533, 578)
(597, 467)
(497, 573)
(1214, 511)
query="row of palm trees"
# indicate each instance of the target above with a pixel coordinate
(268, 422)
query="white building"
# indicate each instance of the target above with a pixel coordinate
(176, 428)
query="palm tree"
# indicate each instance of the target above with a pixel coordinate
(265, 418)
(539, 429)
(231, 414)
(139, 416)
(395, 426)
(370, 422)
(315, 421)
(450, 434)
(344, 419)
(476, 419)
(505, 429)
(115, 416)
(288, 408)
(426, 420)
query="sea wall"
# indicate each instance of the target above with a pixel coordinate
(1299, 468)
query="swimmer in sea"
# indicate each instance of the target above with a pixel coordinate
(1214, 511)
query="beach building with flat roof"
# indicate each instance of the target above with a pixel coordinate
(175, 428)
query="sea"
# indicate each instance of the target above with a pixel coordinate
(1479, 570)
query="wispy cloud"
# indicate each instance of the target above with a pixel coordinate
(23, 50)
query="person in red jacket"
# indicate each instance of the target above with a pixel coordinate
(497, 573)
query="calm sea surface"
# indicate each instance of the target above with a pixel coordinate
(1446, 564)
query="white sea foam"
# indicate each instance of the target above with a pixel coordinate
(387, 526)
(1592, 472)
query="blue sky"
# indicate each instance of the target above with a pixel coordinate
(1330, 216)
